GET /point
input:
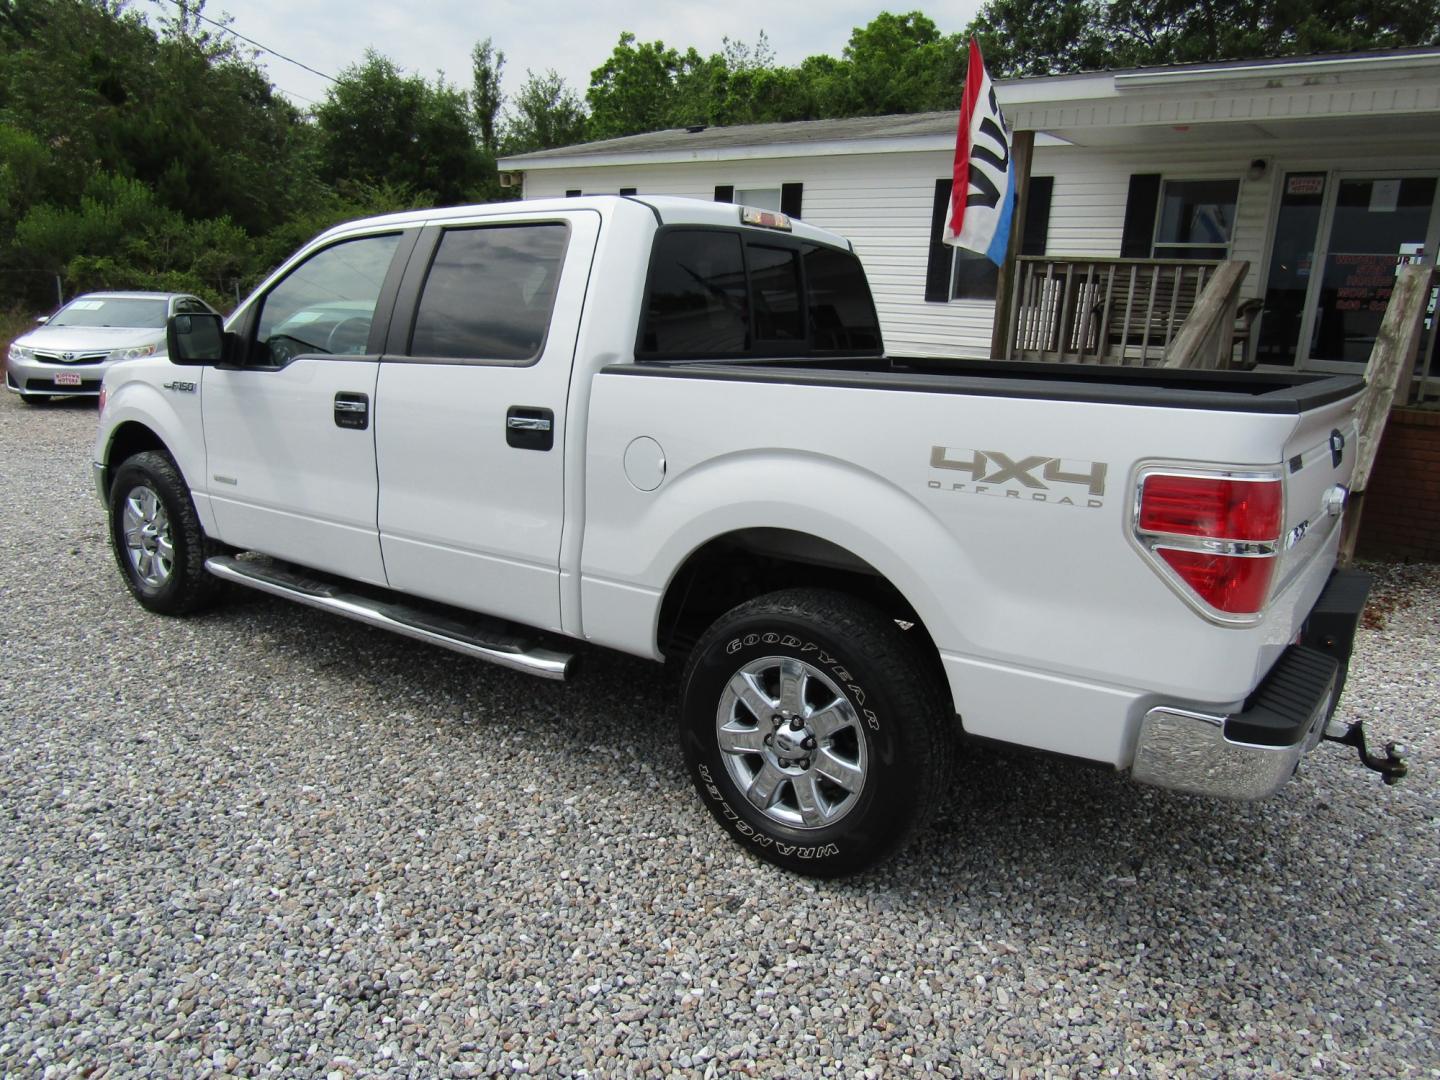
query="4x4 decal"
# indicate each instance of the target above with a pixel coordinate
(1034, 477)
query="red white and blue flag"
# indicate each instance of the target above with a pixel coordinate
(982, 201)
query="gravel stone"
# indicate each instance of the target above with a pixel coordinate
(267, 842)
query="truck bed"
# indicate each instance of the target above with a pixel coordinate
(1229, 391)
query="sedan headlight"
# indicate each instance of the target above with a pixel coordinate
(134, 353)
(21, 352)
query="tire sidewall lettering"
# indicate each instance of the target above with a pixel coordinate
(744, 828)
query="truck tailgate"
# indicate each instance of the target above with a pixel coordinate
(1319, 459)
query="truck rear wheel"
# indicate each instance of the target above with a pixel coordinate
(814, 731)
(157, 538)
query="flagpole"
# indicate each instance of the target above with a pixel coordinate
(1023, 149)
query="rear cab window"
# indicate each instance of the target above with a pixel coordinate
(717, 293)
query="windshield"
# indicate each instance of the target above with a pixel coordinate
(112, 311)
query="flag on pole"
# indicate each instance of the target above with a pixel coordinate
(982, 200)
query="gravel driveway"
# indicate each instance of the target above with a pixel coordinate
(266, 841)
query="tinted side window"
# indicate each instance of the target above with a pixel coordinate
(490, 292)
(189, 305)
(697, 302)
(775, 293)
(326, 304)
(842, 314)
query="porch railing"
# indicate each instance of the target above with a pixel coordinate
(1124, 311)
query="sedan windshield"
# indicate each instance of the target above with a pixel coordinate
(112, 311)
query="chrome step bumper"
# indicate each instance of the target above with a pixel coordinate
(481, 638)
(1252, 753)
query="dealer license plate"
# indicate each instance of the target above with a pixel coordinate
(67, 378)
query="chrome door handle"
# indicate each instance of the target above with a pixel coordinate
(527, 423)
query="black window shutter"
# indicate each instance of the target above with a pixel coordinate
(1140, 206)
(572, 193)
(724, 192)
(627, 191)
(1037, 216)
(937, 271)
(790, 196)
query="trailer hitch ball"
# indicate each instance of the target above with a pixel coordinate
(1391, 765)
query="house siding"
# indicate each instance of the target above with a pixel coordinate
(882, 203)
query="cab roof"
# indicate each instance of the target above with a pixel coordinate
(666, 210)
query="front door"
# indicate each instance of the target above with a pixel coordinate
(1372, 227)
(289, 432)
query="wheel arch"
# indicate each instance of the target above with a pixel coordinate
(740, 565)
(130, 437)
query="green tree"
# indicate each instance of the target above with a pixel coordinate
(183, 112)
(379, 125)
(1030, 37)
(1033, 37)
(899, 64)
(634, 90)
(121, 236)
(546, 114)
(486, 95)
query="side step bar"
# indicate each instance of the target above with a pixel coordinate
(480, 638)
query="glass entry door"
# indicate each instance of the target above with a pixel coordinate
(1375, 226)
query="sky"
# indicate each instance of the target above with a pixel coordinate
(571, 36)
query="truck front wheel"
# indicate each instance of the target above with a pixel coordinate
(814, 731)
(157, 537)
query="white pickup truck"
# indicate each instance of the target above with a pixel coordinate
(668, 427)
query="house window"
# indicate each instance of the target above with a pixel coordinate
(787, 198)
(957, 273)
(760, 198)
(1196, 219)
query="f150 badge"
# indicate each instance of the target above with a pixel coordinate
(1033, 478)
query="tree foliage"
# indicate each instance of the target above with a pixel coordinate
(379, 125)
(134, 154)
(486, 96)
(1044, 37)
(546, 114)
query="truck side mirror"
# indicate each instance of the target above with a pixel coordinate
(194, 340)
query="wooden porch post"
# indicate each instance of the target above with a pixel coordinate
(1023, 148)
(1387, 379)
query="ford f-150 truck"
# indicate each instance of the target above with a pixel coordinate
(669, 427)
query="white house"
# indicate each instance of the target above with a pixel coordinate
(1322, 172)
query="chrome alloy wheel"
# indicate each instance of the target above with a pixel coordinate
(147, 537)
(791, 742)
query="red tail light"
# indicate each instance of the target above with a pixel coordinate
(1215, 536)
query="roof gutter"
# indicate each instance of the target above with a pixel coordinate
(1271, 71)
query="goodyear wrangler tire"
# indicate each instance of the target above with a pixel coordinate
(814, 731)
(156, 536)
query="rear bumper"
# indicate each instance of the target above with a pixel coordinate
(1250, 754)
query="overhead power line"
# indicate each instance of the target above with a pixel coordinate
(262, 48)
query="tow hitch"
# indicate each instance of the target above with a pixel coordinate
(1391, 766)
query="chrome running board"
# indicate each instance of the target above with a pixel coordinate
(478, 637)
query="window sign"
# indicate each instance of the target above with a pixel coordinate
(1384, 196)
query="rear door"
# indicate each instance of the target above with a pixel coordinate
(289, 433)
(471, 428)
